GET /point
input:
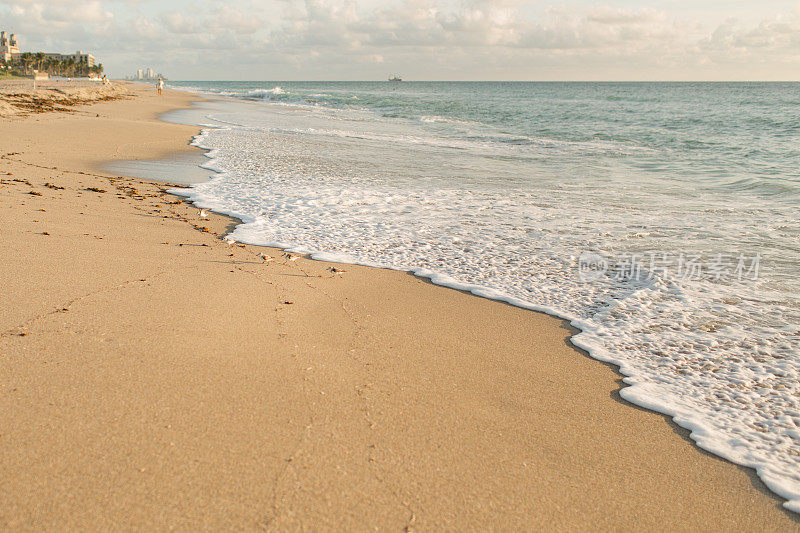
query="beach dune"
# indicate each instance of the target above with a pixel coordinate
(153, 376)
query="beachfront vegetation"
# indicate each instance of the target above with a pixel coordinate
(68, 67)
(8, 74)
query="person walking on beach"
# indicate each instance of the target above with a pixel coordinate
(160, 86)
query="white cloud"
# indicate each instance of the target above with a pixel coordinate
(176, 22)
(470, 39)
(58, 13)
(225, 19)
(84, 12)
(231, 19)
(610, 15)
(777, 38)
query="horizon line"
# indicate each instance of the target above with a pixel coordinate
(478, 81)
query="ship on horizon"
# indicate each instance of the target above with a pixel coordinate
(395, 78)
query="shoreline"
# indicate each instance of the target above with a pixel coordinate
(406, 456)
(696, 429)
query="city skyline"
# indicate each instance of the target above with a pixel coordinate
(421, 39)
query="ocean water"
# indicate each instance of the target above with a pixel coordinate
(661, 219)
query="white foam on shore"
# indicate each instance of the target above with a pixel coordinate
(720, 359)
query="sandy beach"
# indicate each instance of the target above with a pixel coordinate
(22, 97)
(154, 376)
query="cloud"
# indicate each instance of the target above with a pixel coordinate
(225, 19)
(177, 22)
(420, 38)
(59, 12)
(84, 12)
(426, 24)
(778, 37)
(610, 15)
(230, 19)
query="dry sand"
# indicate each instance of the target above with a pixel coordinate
(152, 376)
(18, 96)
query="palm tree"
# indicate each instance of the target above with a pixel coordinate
(26, 59)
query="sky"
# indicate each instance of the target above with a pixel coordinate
(712, 40)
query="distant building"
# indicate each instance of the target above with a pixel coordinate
(86, 58)
(9, 49)
(79, 57)
(147, 74)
